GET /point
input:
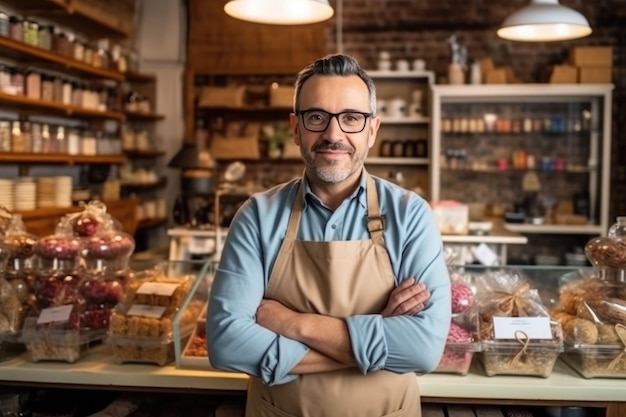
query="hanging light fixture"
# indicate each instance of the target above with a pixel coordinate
(280, 12)
(544, 21)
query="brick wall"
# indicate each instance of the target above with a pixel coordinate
(420, 28)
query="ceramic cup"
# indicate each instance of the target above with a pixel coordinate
(384, 65)
(402, 65)
(419, 65)
(396, 107)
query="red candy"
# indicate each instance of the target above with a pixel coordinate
(462, 298)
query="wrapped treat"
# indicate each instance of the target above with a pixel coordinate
(17, 292)
(461, 342)
(90, 220)
(141, 327)
(509, 346)
(592, 310)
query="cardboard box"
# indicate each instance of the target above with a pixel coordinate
(564, 74)
(591, 56)
(595, 75)
(496, 76)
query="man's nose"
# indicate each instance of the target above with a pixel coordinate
(333, 129)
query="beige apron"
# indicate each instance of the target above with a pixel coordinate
(340, 279)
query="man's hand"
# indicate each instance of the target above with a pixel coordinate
(407, 299)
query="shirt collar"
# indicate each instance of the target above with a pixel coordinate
(359, 192)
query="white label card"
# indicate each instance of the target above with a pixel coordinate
(533, 327)
(157, 288)
(201, 245)
(145, 310)
(55, 314)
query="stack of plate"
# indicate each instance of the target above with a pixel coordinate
(25, 190)
(63, 197)
(46, 192)
(6, 194)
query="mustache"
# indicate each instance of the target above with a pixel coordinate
(328, 146)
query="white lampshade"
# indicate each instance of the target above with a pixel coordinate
(280, 12)
(544, 21)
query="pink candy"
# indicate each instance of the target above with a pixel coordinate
(458, 334)
(462, 297)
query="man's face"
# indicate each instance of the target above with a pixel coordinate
(334, 155)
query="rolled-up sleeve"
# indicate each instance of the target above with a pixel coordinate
(234, 340)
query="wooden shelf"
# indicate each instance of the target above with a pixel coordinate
(502, 171)
(28, 54)
(65, 159)
(13, 103)
(145, 186)
(147, 153)
(137, 115)
(138, 77)
(396, 161)
(563, 229)
(148, 223)
(78, 15)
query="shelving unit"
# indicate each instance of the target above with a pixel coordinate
(93, 20)
(406, 166)
(144, 154)
(488, 140)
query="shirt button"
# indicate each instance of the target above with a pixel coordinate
(334, 226)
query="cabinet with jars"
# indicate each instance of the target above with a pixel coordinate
(60, 107)
(401, 151)
(535, 157)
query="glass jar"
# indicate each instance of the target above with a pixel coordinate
(36, 138)
(16, 28)
(44, 35)
(17, 139)
(107, 251)
(46, 141)
(61, 140)
(5, 136)
(47, 88)
(618, 229)
(17, 82)
(59, 251)
(27, 137)
(33, 85)
(4, 24)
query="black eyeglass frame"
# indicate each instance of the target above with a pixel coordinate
(330, 117)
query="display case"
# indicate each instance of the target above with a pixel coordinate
(537, 156)
(191, 352)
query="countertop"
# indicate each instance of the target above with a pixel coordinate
(97, 369)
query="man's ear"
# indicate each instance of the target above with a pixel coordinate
(373, 131)
(293, 120)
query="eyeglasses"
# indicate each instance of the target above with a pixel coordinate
(318, 120)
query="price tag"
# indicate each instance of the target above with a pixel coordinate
(485, 255)
(145, 310)
(533, 327)
(157, 288)
(55, 314)
(201, 245)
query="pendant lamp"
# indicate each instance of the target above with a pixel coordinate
(544, 21)
(280, 12)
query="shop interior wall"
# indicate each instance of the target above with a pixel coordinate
(407, 29)
(410, 29)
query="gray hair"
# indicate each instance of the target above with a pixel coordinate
(335, 64)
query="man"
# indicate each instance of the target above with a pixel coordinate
(332, 290)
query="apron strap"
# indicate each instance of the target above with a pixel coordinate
(375, 221)
(296, 214)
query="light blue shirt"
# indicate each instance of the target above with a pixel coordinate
(398, 344)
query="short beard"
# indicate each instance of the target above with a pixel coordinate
(331, 174)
